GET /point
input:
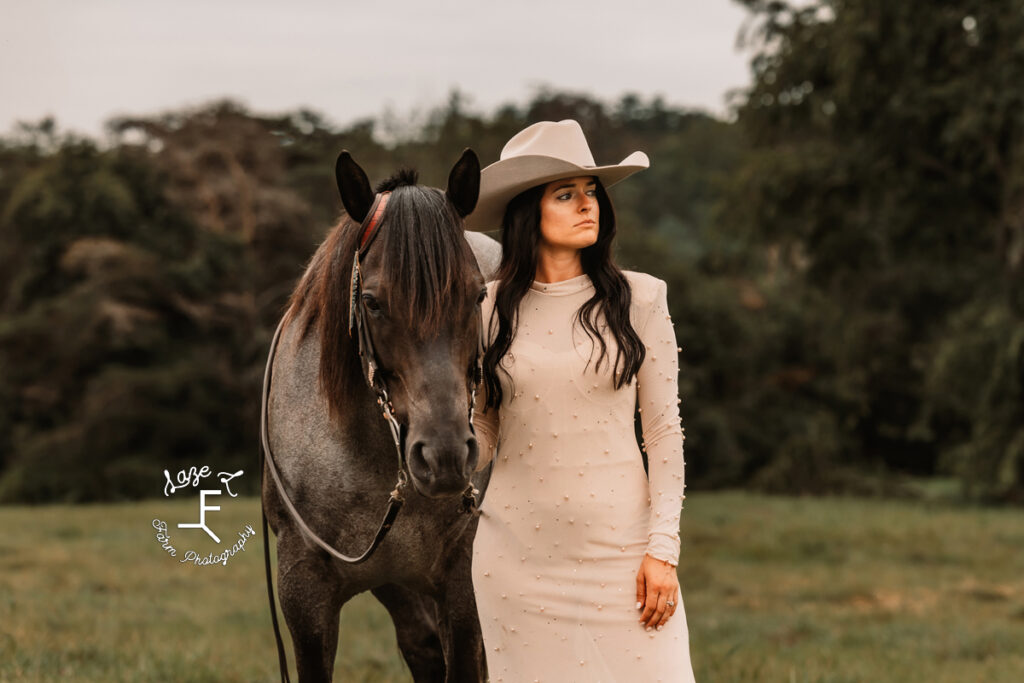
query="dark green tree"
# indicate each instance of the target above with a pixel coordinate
(120, 330)
(885, 171)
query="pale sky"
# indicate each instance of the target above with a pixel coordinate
(83, 61)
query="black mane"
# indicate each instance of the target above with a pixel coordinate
(400, 178)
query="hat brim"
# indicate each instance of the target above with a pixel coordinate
(503, 180)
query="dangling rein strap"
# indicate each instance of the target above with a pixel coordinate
(267, 459)
(394, 502)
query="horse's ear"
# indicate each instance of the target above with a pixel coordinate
(464, 183)
(354, 187)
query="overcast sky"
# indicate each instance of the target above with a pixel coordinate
(85, 60)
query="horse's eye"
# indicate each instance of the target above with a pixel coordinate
(371, 303)
(483, 295)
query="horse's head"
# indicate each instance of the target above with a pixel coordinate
(420, 295)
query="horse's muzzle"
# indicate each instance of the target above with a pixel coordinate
(442, 467)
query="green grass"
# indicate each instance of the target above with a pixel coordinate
(775, 589)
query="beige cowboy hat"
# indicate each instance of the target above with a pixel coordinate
(538, 154)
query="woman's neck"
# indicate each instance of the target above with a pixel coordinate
(556, 266)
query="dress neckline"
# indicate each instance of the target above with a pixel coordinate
(562, 287)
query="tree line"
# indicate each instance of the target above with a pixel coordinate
(844, 261)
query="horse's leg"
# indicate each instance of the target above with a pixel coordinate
(414, 615)
(311, 600)
(458, 622)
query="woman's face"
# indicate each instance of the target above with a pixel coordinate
(569, 213)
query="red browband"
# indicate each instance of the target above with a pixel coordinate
(381, 202)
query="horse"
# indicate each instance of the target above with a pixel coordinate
(385, 321)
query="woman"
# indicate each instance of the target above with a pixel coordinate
(575, 555)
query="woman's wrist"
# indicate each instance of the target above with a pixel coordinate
(664, 546)
(661, 558)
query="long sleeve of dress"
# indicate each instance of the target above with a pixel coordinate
(658, 395)
(485, 423)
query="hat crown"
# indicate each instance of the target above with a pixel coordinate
(561, 140)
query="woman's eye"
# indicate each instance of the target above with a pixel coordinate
(564, 196)
(591, 193)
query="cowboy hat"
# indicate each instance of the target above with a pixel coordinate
(538, 154)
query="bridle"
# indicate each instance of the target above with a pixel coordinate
(358, 328)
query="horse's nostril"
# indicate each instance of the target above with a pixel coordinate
(415, 450)
(418, 465)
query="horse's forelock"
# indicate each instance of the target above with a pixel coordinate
(424, 263)
(424, 258)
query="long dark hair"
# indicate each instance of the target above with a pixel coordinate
(520, 239)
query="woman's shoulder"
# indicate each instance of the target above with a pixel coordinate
(646, 289)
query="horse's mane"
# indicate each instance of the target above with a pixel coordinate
(424, 261)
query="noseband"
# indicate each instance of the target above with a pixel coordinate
(358, 328)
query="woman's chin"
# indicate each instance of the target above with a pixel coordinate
(585, 238)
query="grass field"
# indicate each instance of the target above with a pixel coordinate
(775, 589)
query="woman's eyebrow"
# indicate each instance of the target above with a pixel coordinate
(572, 186)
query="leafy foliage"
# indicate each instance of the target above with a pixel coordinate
(845, 261)
(886, 165)
(123, 341)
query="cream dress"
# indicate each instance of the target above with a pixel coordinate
(569, 511)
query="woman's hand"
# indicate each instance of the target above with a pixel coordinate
(656, 586)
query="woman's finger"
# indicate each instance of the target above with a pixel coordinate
(670, 610)
(659, 611)
(650, 607)
(653, 608)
